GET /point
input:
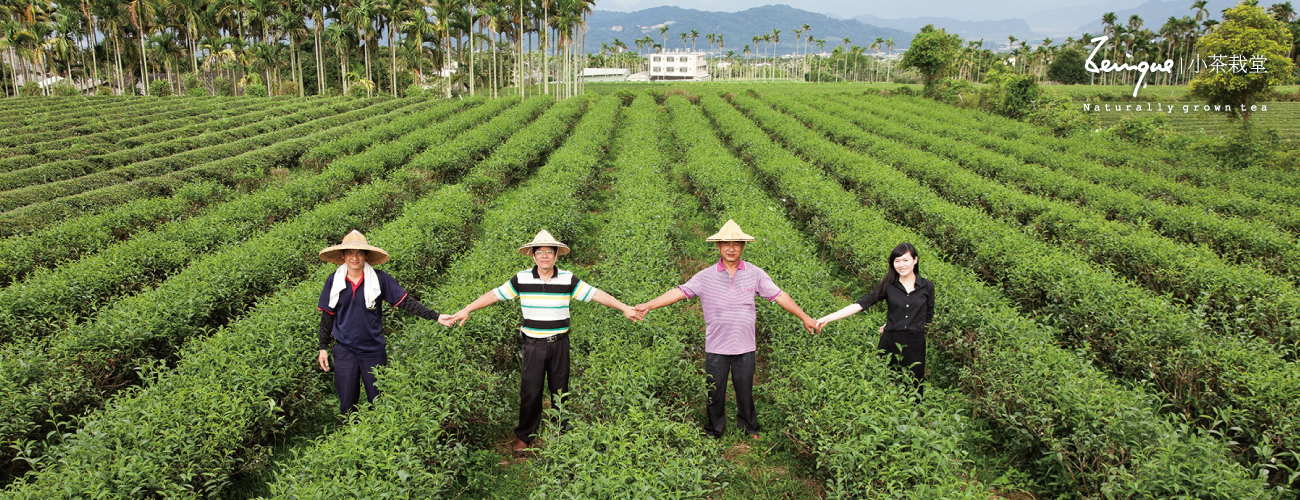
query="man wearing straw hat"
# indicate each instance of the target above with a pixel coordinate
(351, 319)
(726, 291)
(544, 293)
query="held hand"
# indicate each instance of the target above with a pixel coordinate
(642, 308)
(455, 319)
(324, 359)
(821, 323)
(811, 325)
(633, 314)
(445, 320)
(882, 329)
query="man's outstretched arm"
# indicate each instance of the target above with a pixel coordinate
(609, 301)
(787, 302)
(672, 296)
(484, 300)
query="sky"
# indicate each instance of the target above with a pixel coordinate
(955, 9)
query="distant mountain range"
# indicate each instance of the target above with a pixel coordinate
(990, 31)
(737, 28)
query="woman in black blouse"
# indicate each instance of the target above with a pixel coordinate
(910, 305)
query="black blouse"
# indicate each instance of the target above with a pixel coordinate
(907, 311)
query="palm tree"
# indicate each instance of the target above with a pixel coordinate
(584, 9)
(7, 44)
(844, 65)
(1109, 29)
(747, 52)
(416, 26)
(263, 60)
(392, 13)
(113, 24)
(776, 42)
(442, 10)
(1283, 12)
(317, 9)
(263, 12)
(768, 43)
(141, 11)
(340, 35)
(837, 53)
(360, 16)
(165, 48)
(465, 19)
(640, 45)
(24, 41)
(544, 38)
(821, 47)
(493, 17)
(1134, 22)
(877, 45)
(519, 26)
(1171, 33)
(807, 44)
(1201, 12)
(856, 53)
(798, 37)
(65, 27)
(295, 25)
(90, 18)
(231, 13)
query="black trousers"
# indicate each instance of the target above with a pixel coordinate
(907, 350)
(741, 367)
(542, 362)
(351, 370)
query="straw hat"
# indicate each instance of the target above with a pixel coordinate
(730, 232)
(354, 241)
(544, 239)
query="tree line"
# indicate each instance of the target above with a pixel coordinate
(367, 46)
(372, 45)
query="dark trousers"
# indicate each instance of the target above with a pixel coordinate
(351, 370)
(542, 362)
(741, 367)
(907, 350)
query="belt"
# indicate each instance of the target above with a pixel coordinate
(547, 340)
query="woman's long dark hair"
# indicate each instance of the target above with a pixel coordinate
(891, 274)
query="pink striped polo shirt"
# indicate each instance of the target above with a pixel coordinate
(728, 303)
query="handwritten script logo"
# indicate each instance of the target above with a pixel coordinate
(1107, 67)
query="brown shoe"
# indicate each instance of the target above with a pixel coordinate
(520, 447)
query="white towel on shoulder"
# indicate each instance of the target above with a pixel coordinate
(369, 285)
